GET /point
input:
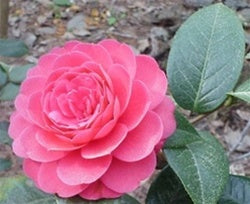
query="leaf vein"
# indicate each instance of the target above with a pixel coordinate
(206, 60)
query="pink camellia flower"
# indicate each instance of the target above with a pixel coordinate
(90, 119)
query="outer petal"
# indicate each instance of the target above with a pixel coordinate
(31, 168)
(35, 109)
(21, 104)
(49, 182)
(17, 124)
(97, 191)
(97, 53)
(124, 177)
(70, 45)
(33, 149)
(70, 60)
(166, 112)
(137, 107)
(34, 71)
(106, 145)
(85, 170)
(45, 64)
(151, 75)
(32, 85)
(121, 54)
(141, 141)
(18, 147)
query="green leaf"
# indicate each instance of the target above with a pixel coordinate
(5, 164)
(62, 2)
(243, 91)
(18, 74)
(237, 191)
(4, 67)
(184, 134)
(9, 92)
(201, 165)
(3, 77)
(21, 190)
(167, 189)
(12, 48)
(206, 58)
(4, 136)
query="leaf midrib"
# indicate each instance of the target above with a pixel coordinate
(241, 92)
(205, 61)
(198, 173)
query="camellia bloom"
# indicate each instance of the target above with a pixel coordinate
(90, 119)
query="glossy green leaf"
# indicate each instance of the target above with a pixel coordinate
(5, 164)
(9, 92)
(184, 134)
(243, 91)
(4, 137)
(12, 48)
(21, 190)
(237, 191)
(62, 2)
(18, 74)
(206, 58)
(201, 164)
(167, 189)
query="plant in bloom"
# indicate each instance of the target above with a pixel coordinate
(90, 119)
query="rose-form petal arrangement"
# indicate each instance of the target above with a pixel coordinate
(90, 119)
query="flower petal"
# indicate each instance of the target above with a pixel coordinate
(75, 170)
(122, 85)
(51, 141)
(33, 149)
(21, 104)
(166, 112)
(108, 125)
(137, 107)
(17, 124)
(106, 145)
(18, 147)
(97, 53)
(141, 141)
(49, 182)
(153, 77)
(121, 54)
(32, 85)
(124, 177)
(83, 136)
(45, 64)
(70, 45)
(98, 190)
(72, 59)
(35, 109)
(31, 168)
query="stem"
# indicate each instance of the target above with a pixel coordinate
(242, 136)
(241, 157)
(4, 13)
(198, 118)
(161, 160)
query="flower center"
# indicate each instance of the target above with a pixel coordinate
(74, 100)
